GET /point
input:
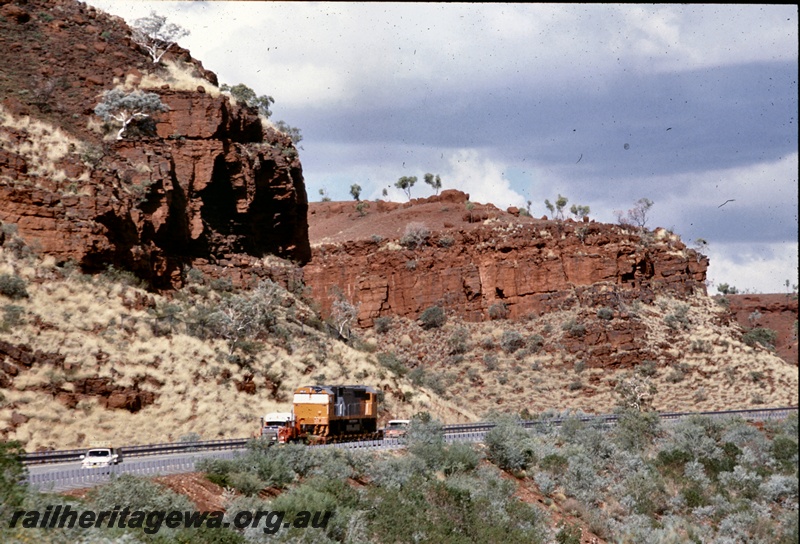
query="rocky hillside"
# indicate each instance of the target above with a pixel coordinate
(460, 308)
(210, 185)
(538, 313)
(478, 262)
(772, 312)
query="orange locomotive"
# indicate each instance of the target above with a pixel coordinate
(332, 413)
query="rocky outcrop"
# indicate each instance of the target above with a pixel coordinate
(204, 184)
(523, 267)
(154, 206)
(15, 360)
(771, 311)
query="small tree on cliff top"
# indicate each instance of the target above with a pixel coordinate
(155, 35)
(434, 182)
(637, 216)
(245, 95)
(557, 211)
(121, 107)
(406, 183)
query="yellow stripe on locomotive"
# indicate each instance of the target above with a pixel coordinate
(336, 410)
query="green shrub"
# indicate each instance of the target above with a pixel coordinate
(784, 450)
(498, 310)
(446, 241)
(676, 375)
(568, 534)
(643, 490)
(333, 502)
(553, 463)
(416, 235)
(433, 317)
(12, 471)
(246, 483)
(137, 493)
(247, 96)
(581, 479)
(574, 329)
(459, 509)
(222, 285)
(511, 341)
(760, 336)
(12, 316)
(382, 324)
(417, 376)
(509, 445)
(13, 287)
(457, 343)
(396, 472)
(390, 361)
(605, 313)
(534, 343)
(458, 457)
(647, 369)
(123, 277)
(678, 318)
(635, 430)
(195, 276)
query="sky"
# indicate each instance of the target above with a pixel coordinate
(693, 107)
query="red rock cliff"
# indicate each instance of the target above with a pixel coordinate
(211, 183)
(468, 266)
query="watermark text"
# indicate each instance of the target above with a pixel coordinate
(151, 522)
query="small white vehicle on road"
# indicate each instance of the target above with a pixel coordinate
(101, 457)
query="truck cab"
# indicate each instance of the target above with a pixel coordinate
(272, 422)
(396, 428)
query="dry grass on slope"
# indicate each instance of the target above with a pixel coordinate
(694, 361)
(106, 328)
(100, 327)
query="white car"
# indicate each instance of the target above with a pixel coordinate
(100, 457)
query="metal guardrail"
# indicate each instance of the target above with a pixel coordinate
(76, 478)
(471, 432)
(759, 414)
(64, 456)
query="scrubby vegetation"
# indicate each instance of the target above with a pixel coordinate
(210, 352)
(697, 480)
(215, 352)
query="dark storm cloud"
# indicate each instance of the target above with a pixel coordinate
(673, 122)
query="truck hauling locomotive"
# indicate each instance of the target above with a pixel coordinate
(271, 423)
(328, 413)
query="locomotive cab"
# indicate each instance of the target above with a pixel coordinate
(338, 412)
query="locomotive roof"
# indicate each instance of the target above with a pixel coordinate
(330, 388)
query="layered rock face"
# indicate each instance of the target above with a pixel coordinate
(209, 187)
(505, 263)
(152, 206)
(773, 311)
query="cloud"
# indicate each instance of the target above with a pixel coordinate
(756, 268)
(764, 207)
(362, 54)
(503, 99)
(481, 177)
(468, 170)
